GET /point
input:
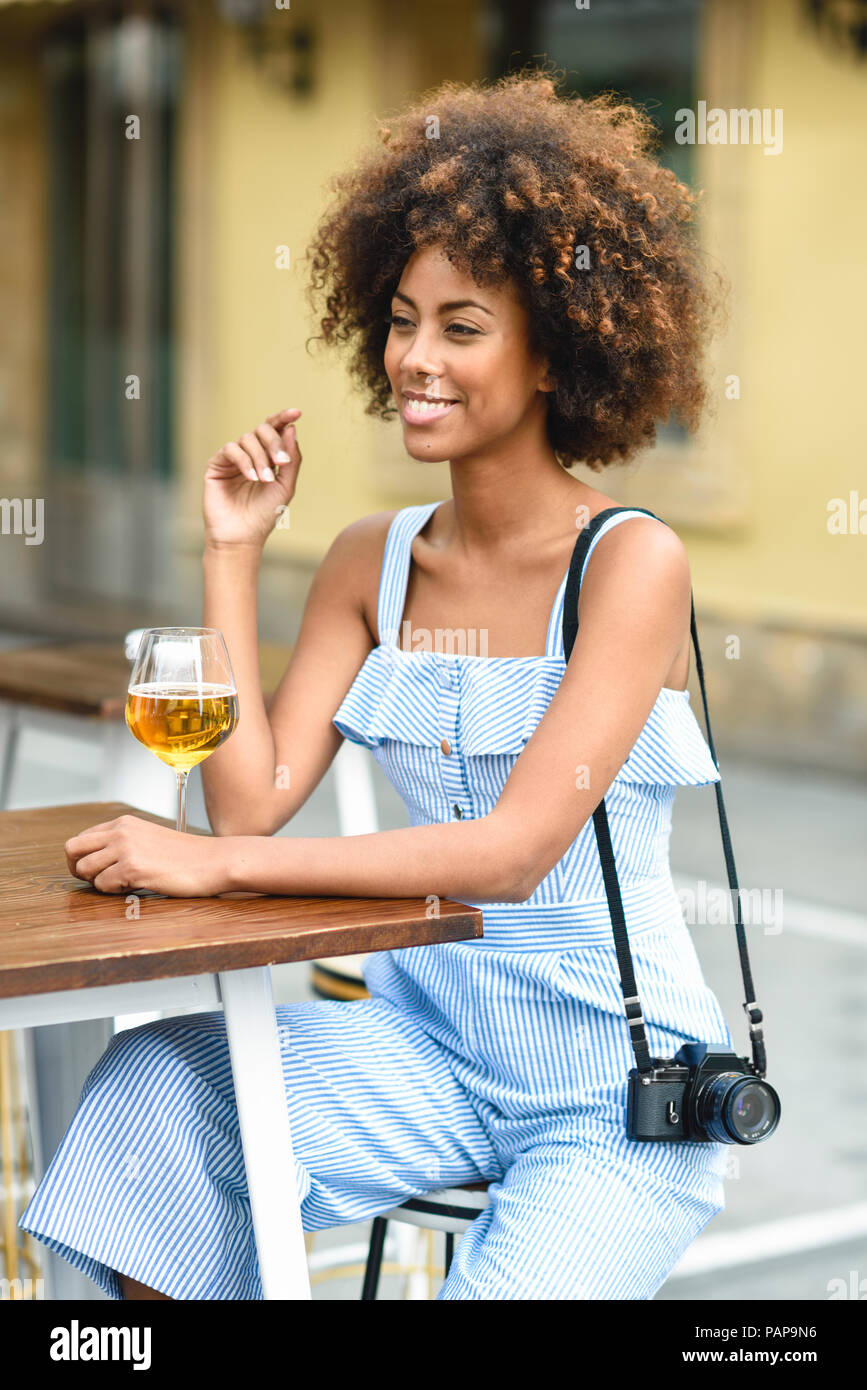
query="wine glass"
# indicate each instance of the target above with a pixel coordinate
(182, 702)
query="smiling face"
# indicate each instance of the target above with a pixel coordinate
(459, 362)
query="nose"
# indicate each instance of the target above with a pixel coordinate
(419, 359)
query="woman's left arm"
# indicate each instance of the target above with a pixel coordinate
(634, 618)
(633, 611)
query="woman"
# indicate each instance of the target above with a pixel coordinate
(522, 287)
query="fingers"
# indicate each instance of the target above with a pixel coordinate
(290, 445)
(85, 843)
(260, 460)
(110, 880)
(259, 453)
(236, 455)
(273, 445)
(283, 417)
(93, 849)
(91, 865)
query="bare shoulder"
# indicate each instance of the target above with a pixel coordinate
(362, 542)
(639, 556)
(644, 535)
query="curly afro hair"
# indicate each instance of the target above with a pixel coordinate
(515, 181)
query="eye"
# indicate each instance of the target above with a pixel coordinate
(457, 329)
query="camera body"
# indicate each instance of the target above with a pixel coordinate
(704, 1093)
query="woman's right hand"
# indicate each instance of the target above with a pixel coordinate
(241, 504)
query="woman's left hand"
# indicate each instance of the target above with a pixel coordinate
(129, 854)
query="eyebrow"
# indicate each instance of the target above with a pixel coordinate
(451, 305)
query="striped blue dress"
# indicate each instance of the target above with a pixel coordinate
(502, 1059)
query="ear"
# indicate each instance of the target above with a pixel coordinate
(545, 380)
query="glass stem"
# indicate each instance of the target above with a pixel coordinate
(182, 800)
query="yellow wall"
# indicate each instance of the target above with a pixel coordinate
(801, 286)
(267, 156)
(795, 260)
(22, 271)
(270, 158)
(253, 173)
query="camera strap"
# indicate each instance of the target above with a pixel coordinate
(631, 1000)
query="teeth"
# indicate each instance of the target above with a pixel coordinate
(425, 407)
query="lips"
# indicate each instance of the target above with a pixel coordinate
(427, 396)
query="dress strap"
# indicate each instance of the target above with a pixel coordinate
(597, 527)
(394, 576)
(554, 637)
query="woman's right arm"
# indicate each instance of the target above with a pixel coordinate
(277, 755)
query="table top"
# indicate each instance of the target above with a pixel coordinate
(57, 932)
(91, 678)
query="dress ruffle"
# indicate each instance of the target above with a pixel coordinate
(397, 696)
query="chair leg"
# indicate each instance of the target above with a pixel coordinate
(374, 1259)
(450, 1251)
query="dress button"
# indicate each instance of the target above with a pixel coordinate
(446, 746)
(457, 810)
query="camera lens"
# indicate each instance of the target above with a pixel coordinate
(738, 1109)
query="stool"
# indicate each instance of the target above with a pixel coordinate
(338, 977)
(449, 1209)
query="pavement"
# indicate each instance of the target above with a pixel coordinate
(795, 1223)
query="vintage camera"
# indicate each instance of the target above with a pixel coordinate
(704, 1093)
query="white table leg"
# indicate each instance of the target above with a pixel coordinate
(10, 725)
(251, 1026)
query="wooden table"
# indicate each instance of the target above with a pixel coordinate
(79, 689)
(68, 952)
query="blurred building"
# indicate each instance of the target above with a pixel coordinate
(162, 168)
